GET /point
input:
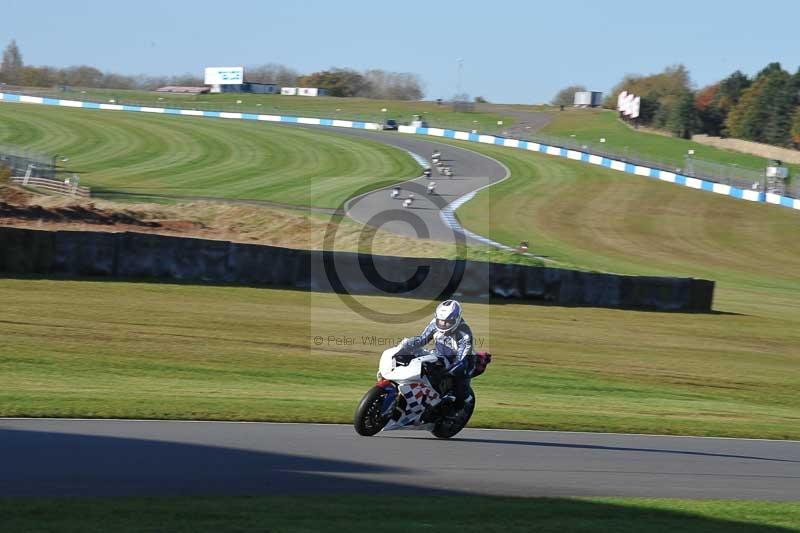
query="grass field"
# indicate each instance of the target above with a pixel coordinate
(587, 125)
(325, 106)
(148, 350)
(590, 125)
(312, 514)
(610, 221)
(176, 351)
(141, 154)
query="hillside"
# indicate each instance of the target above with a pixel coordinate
(588, 126)
(138, 155)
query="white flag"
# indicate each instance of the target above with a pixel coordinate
(621, 100)
(636, 105)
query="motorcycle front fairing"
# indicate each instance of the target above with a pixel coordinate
(415, 388)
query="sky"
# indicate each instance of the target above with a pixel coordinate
(511, 51)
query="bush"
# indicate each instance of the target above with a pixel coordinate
(566, 96)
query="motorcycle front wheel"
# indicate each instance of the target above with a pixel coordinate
(451, 423)
(367, 419)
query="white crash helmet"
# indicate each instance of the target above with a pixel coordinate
(447, 316)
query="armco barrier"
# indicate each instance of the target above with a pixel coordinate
(613, 164)
(148, 256)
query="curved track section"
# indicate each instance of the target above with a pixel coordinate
(472, 170)
(115, 457)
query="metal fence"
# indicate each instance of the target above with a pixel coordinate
(21, 161)
(68, 186)
(729, 174)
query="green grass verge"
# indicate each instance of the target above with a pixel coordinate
(590, 125)
(587, 125)
(364, 109)
(140, 154)
(142, 350)
(312, 514)
(599, 219)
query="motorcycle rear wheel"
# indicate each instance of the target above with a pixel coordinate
(367, 419)
(450, 424)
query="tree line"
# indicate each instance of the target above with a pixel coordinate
(372, 83)
(763, 108)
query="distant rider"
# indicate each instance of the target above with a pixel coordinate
(452, 340)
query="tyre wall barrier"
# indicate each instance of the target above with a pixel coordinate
(75, 254)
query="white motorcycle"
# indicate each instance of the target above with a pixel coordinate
(409, 395)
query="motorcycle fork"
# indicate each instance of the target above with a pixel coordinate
(388, 402)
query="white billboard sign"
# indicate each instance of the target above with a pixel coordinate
(621, 100)
(627, 104)
(635, 106)
(224, 75)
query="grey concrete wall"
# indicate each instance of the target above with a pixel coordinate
(76, 254)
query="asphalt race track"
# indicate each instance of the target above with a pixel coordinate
(53, 458)
(472, 171)
(49, 457)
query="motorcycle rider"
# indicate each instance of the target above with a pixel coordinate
(452, 340)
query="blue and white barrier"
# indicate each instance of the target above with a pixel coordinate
(663, 175)
(613, 164)
(5, 97)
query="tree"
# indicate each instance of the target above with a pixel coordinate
(682, 119)
(481, 100)
(280, 75)
(654, 90)
(81, 76)
(12, 63)
(764, 112)
(780, 104)
(37, 76)
(795, 131)
(733, 86)
(392, 85)
(747, 118)
(118, 81)
(566, 96)
(709, 115)
(715, 102)
(337, 81)
(769, 70)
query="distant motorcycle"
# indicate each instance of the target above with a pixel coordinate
(409, 395)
